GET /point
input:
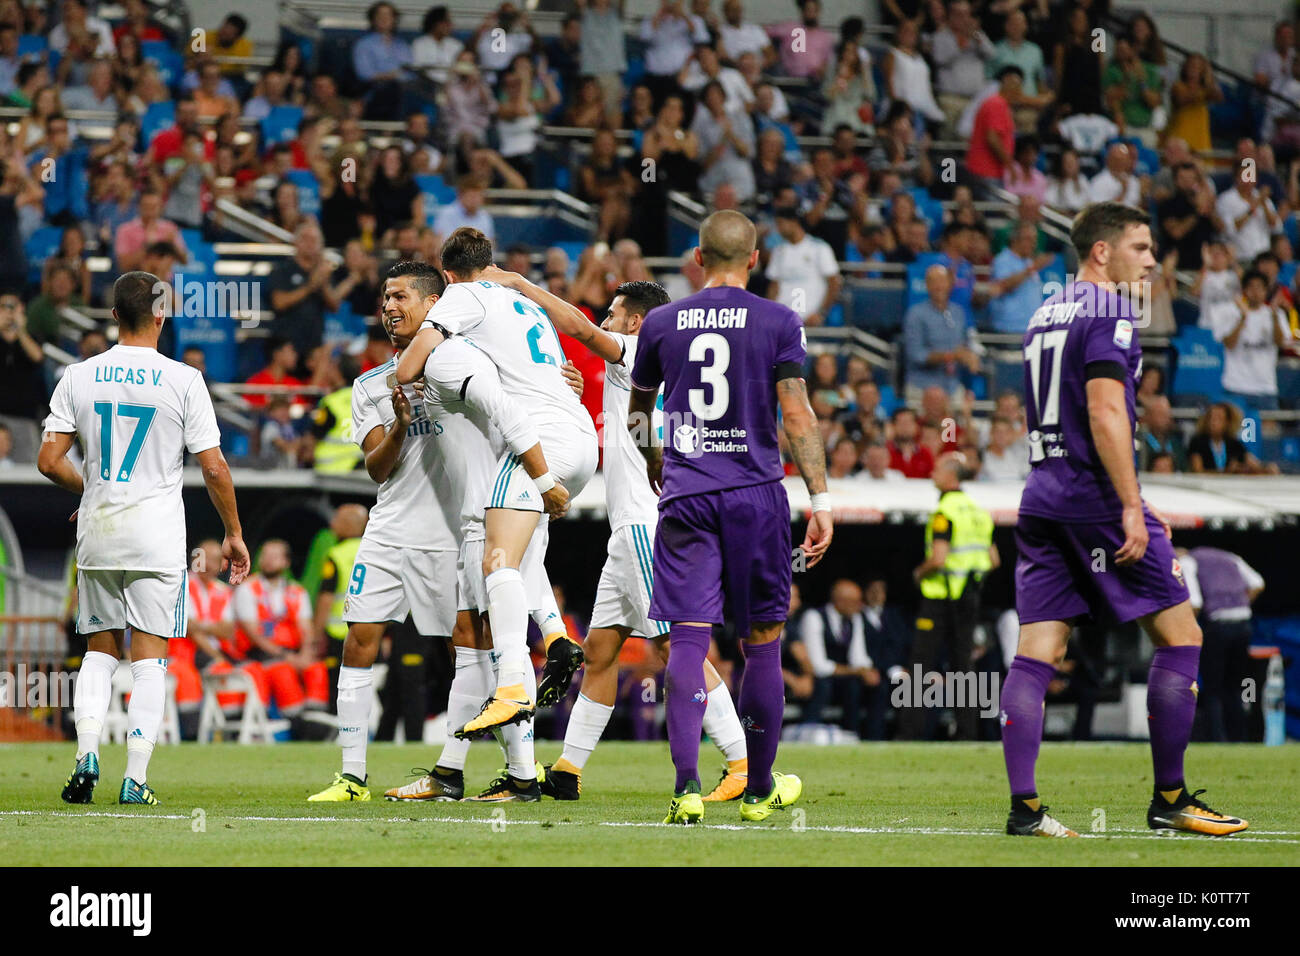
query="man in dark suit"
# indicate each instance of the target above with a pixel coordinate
(888, 641)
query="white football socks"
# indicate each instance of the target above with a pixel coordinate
(520, 756)
(90, 699)
(547, 617)
(471, 684)
(508, 609)
(721, 724)
(355, 691)
(144, 714)
(587, 721)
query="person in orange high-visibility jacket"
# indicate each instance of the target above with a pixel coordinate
(209, 645)
(273, 626)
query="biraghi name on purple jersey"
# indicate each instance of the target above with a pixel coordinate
(718, 354)
(1080, 333)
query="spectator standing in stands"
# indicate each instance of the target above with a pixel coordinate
(148, 227)
(380, 59)
(1017, 285)
(604, 54)
(1222, 587)
(524, 102)
(1005, 459)
(705, 67)
(738, 36)
(934, 337)
(503, 35)
(1252, 330)
(888, 642)
(959, 50)
(803, 46)
(394, 196)
(1219, 280)
(435, 50)
(1190, 98)
(467, 210)
(1076, 65)
(469, 106)
(850, 92)
(76, 20)
(1118, 182)
(802, 272)
(906, 454)
(61, 167)
(993, 141)
(1248, 214)
(1188, 219)
(907, 75)
(300, 289)
(1133, 89)
(564, 53)
(670, 36)
(835, 638)
(1274, 62)
(1216, 449)
(1015, 49)
(22, 393)
(1159, 434)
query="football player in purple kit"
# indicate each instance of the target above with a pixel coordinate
(728, 360)
(1088, 545)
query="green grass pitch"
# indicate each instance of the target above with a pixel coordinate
(873, 804)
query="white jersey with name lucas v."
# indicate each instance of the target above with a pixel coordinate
(137, 412)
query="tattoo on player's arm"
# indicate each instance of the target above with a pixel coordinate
(802, 433)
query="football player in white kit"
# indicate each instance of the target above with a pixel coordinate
(137, 412)
(622, 608)
(521, 342)
(429, 458)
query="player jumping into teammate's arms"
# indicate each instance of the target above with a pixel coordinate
(518, 338)
(727, 360)
(1082, 362)
(137, 413)
(431, 456)
(622, 606)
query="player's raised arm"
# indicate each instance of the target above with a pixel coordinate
(221, 489)
(568, 318)
(411, 363)
(809, 453)
(1112, 434)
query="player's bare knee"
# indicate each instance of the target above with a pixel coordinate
(361, 646)
(600, 650)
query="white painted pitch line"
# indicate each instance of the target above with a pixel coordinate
(734, 827)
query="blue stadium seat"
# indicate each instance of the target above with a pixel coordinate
(157, 117)
(308, 190)
(888, 399)
(203, 257)
(41, 245)
(280, 125)
(1006, 376)
(1198, 370)
(1292, 229)
(1288, 383)
(875, 310)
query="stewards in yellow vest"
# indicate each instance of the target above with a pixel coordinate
(336, 452)
(959, 551)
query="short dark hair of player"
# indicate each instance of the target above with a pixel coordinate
(640, 297)
(134, 296)
(426, 279)
(466, 252)
(726, 238)
(1103, 222)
